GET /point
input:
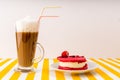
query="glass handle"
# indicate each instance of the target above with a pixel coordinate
(42, 51)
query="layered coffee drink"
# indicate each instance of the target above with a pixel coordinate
(26, 45)
(26, 41)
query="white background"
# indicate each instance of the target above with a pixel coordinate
(90, 28)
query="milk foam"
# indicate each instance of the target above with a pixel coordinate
(27, 25)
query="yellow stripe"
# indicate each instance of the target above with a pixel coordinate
(0, 58)
(103, 75)
(114, 60)
(45, 70)
(110, 63)
(55, 60)
(3, 62)
(75, 76)
(7, 69)
(31, 75)
(15, 76)
(118, 58)
(107, 67)
(90, 76)
(59, 75)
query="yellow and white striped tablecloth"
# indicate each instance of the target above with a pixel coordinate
(109, 69)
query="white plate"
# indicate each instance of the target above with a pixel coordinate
(91, 66)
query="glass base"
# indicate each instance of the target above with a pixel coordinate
(24, 69)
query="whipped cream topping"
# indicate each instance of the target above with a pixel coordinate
(27, 24)
(72, 64)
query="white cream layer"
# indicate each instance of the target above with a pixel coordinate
(27, 25)
(72, 64)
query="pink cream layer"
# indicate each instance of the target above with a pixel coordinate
(78, 59)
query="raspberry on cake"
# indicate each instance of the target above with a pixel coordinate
(73, 62)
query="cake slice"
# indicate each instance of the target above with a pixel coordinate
(73, 62)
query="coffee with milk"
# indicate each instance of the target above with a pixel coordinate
(26, 39)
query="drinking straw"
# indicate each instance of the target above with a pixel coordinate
(43, 10)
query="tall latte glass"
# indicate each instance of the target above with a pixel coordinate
(27, 31)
